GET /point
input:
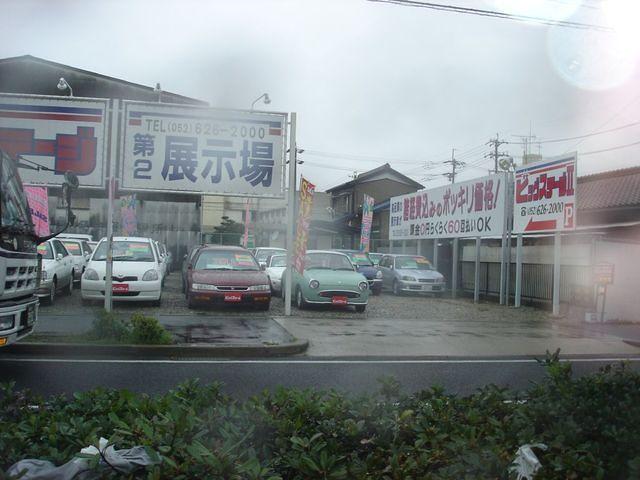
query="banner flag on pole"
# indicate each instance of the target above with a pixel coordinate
(367, 218)
(304, 217)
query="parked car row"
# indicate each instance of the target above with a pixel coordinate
(140, 266)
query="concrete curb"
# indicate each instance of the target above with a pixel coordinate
(156, 351)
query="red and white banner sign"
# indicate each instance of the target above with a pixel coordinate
(545, 196)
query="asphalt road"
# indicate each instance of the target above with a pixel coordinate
(242, 378)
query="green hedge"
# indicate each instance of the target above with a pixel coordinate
(591, 425)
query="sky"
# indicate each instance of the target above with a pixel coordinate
(371, 82)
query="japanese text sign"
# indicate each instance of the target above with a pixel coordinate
(58, 133)
(39, 206)
(545, 196)
(202, 150)
(367, 218)
(469, 209)
(304, 217)
(603, 273)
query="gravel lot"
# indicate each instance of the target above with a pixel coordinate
(384, 306)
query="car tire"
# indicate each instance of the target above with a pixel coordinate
(360, 308)
(69, 288)
(158, 302)
(300, 302)
(396, 288)
(52, 293)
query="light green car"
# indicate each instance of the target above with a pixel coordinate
(329, 278)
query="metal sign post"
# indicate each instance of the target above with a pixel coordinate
(291, 199)
(557, 250)
(112, 162)
(518, 293)
(454, 269)
(435, 253)
(476, 279)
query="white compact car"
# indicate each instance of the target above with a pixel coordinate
(276, 265)
(57, 270)
(137, 271)
(80, 253)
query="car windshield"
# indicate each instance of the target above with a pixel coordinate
(360, 259)
(263, 254)
(14, 207)
(125, 251)
(278, 261)
(46, 251)
(225, 260)
(413, 263)
(327, 261)
(73, 248)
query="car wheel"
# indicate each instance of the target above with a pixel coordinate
(69, 289)
(158, 302)
(52, 293)
(300, 303)
(361, 308)
(396, 288)
(264, 306)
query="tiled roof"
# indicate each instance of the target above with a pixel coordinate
(612, 189)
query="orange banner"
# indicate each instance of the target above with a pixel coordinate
(304, 218)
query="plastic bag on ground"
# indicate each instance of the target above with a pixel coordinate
(526, 463)
(123, 461)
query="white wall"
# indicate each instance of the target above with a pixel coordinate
(623, 298)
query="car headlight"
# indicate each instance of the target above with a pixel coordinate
(379, 274)
(363, 286)
(203, 286)
(6, 322)
(407, 278)
(260, 287)
(150, 275)
(314, 284)
(90, 274)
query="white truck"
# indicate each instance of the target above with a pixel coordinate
(19, 262)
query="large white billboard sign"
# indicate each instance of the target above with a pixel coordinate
(545, 196)
(62, 134)
(469, 209)
(202, 150)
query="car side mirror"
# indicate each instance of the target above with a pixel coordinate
(189, 267)
(87, 256)
(185, 256)
(59, 257)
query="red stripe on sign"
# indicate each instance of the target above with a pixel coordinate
(52, 116)
(554, 167)
(135, 122)
(538, 226)
(275, 131)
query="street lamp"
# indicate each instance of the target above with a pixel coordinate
(63, 85)
(266, 100)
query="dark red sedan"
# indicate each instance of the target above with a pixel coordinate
(224, 275)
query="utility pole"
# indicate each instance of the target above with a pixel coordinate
(454, 165)
(496, 143)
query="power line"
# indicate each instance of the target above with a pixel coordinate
(578, 137)
(495, 14)
(617, 147)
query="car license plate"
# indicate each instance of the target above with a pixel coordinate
(232, 297)
(339, 300)
(120, 288)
